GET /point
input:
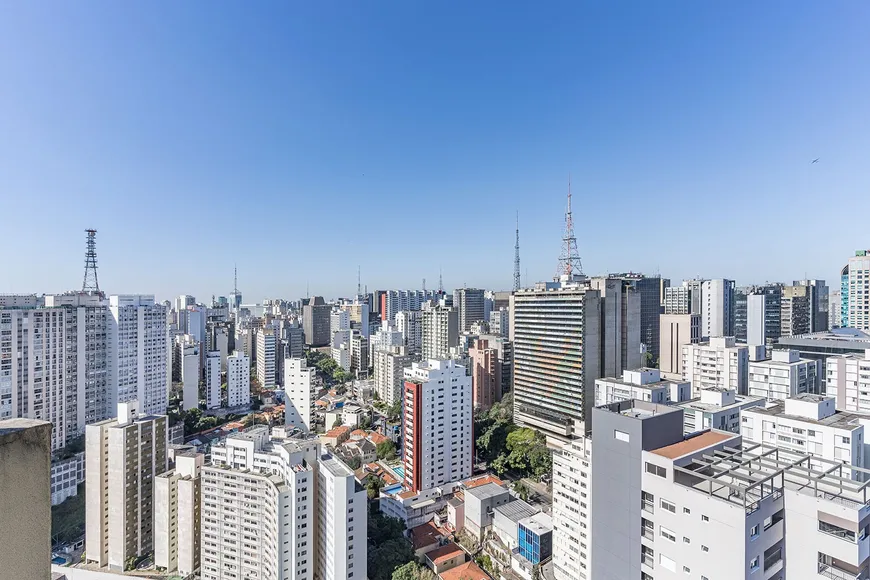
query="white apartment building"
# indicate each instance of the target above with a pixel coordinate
(66, 475)
(809, 424)
(387, 337)
(238, 380)
(123, 457)
(678, 300)
(856, 287)
(300, 394)
(717, 408)
(438, 441)
(499, 322)
(190, 370)
(717, 308)
(784, 375)
(278, 508)
(213, 379)
(139, 356)
(410, 324)
(177, 515)
(572, 525)
(338, 320)
(341, 349)
(266, 352)
(45, 373)
(848, 381)
(718, 363)
(389, 373)
(440, 331)
(645, 384)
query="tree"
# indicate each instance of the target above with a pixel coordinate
(386, 450)
(388, 548)
(394, 410)
(365, 422)
(374, 485)
(485, 562)
(337, 422)
(339, 375)
(522, 490)
(354, 463)
(413, 571)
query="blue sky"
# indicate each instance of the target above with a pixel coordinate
(301, 140)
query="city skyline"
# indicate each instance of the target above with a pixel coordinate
(248, 135)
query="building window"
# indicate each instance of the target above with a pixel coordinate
(666, 505)
(656, 469)
(753, 532)
(621, 436)
(753, 565)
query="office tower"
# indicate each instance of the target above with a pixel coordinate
(556, 330)
(359, 354)
(294, 340)
(644, 384)
(437, 405)
(649, 290)
(740, 312)
(358, 310)
(181, 304)
(848, 381)
(123, 457)
(784, 375)
(410, 324)
(389, 372)
(177, 515)
(197, 319)
(63, 339)
(818, 303)
(300, 393)
(572, 524)
(720, 362)
(796, 308)
(282, 488)
(266, 352)
(138, 339)
(340, 349)
(835, 319)
(499, 322)
(238, 380)
(440, 331)
(620, 324)
(189, 357)
(315, 321)
(717, 308)
(486, 383)
(469, 304)
(677, 330)
(678, 300)
(213, 380)
(763, 314)
(855, 291)
(338, 320)
(25, 498)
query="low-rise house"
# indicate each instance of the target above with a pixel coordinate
(445, 557)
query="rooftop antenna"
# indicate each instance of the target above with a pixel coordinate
(517, 283)
(235, 279)
(569, 259)
(440, 282)
(424, 285)
(358, 283)
(90, 283)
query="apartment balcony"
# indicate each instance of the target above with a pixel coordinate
(835, 573)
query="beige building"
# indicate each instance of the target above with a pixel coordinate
(25, 499)
(123, 457)
(675, 332)
(389, 372)
(177, 515)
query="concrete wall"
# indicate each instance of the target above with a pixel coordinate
(25, 499)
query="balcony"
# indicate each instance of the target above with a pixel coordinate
(831, 571)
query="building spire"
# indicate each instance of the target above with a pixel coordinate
(569, 259)
(235, 279)
(517, 283)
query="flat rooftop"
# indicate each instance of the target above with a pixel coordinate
(839, 420)
(335, 466)
(516, 510)
(485, 491)
(693, 444)
(739, 401)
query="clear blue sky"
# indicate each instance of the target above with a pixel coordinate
(303, 139)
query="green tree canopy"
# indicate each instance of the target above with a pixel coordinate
(413, 571)
(386, 450)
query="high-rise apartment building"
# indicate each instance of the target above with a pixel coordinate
(855, 291)
(389, 372)
(139, 356)
(213, 379)
(387, 337)
(677, 331)
(835, 314)
(266, 352)
(53, 365)
(486, 381)
(189, 357)
(678, 300)
(338, 320)
(556, 334)
(359, 354)
(300, 394)
(340, 349)
(847, 380)
(315, 321)
(410, 324)
(784, 375)
(25, 498)
(720, 362)
(238, 380)
(572, 501)
(393, 301)
(499, 322)
(469, 304)
(181, 304)
(440, 331)
(260, 492)
(437, 422)
(293, 340)
(717, 308)
(123, 457)
(177, 515)
(620, 324)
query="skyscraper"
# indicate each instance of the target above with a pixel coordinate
(649, 290)
(300, 394)
(485, 375)
(717, 308)
(266, 352)
(620, 324)
(213, 379)
(238, 380)
(796, 310)
(469, 304)
(315, 321)
(440, 331)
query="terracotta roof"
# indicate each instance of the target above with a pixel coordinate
(483, 480)
(234, 425)
(692, 444)
(424, 535)
(358, 433)
(337, 431)
(377, 438)
(467, 571)
(407, 494)
(444, 553)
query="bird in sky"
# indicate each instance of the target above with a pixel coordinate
(816, 160)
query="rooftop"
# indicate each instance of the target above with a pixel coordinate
(338, 431)
(485, 491)
(516, 510)
(467, 571)
(424, 535)
(540, 523)
(444, 553)
(739, 401)
(839, 420)
(335, 466)
(482, 480)
(693, 444)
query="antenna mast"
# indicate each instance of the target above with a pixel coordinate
(517, 257)
(569, 259)
(90, 283)
(358, 283)
(440, 282)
